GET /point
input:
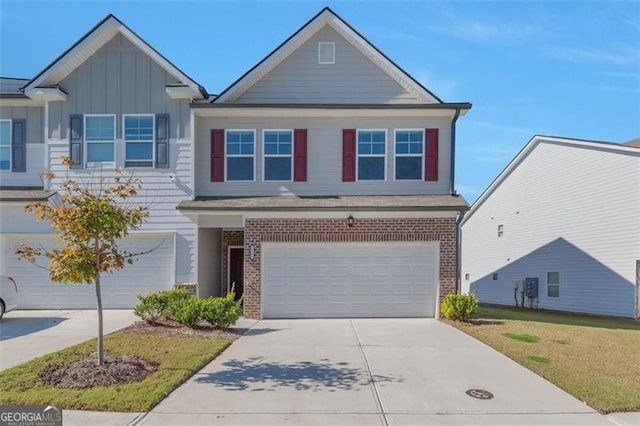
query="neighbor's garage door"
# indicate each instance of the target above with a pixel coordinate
(151, 272)
(316, 280)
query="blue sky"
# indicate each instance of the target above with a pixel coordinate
(557, 68)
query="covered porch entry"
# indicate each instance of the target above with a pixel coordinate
(220, 261)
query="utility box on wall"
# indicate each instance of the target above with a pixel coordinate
(531, 287)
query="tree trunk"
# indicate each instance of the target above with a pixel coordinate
(100, 332)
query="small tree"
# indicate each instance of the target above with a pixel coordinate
(89, 220)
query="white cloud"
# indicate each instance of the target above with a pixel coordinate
(482, 31)
(622, 54)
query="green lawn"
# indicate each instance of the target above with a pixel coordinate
(178, 358)
(596, 359)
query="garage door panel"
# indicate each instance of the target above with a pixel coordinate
(150, 272)
(349, 279)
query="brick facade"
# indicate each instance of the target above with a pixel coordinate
(257, 231)
(229, 238)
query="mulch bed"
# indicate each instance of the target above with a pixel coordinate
(87, 373)
(166, 327)
(122, 369)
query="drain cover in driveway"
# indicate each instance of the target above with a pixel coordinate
(479, 394)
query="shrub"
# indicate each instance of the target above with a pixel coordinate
(221, 312)
(160, 304)
(459, 307)
(188, 311)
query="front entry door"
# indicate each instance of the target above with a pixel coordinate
(236, 270)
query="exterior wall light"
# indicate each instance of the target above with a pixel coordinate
(350, 221)
(252, 251)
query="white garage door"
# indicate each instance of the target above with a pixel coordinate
(320, 280)
(150, 272)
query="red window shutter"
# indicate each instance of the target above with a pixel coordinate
(217, 155)
(300, 155)
(349, 155)
(431, 155)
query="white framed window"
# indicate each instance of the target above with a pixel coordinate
(500, 231)
(139, 137)
(277, 155)
(553, 284)
(100, 136)
(5, 144)
(240, 155)
(371, 152)
(326, 53)
(409, 154)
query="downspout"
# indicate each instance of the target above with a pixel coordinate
(458, 252)
(452, 191)
(452, 167)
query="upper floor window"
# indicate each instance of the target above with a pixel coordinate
(5, 144)
(240, 155)
(99, 134)
(500, 230)
(278, 155)
(371, 149)
(409, 154)
(138, 138)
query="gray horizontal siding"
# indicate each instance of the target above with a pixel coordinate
(352, 79)
(158, 193)
(324, 162)
(564, 209)
(118, 79)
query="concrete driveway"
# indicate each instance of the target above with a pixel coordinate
(25, 335)
(365, 372)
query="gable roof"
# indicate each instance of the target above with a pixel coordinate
(93, 40)
(326, 17)
(530, 146)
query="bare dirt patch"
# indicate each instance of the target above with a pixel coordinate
(87, 373)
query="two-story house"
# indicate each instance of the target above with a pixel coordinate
(564, 214)
(321, 182)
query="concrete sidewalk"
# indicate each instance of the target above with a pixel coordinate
(28, 334)
(387, 372)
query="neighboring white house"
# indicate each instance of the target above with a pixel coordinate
(566, 212)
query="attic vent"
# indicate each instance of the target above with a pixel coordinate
(326, 52)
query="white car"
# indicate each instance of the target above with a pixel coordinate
(8, 294)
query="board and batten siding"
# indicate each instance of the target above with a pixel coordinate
(33, 116)
(162, 190)
(324, 157)
(567, 209)
(118, 79)
(353, 78)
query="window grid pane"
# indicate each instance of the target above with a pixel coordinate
(5, 133)
(5, 158)
(100, 128)
(240, 143)
(409, 145)
(371, 154)
(138, 128)
(99, 133)
(277, 155)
